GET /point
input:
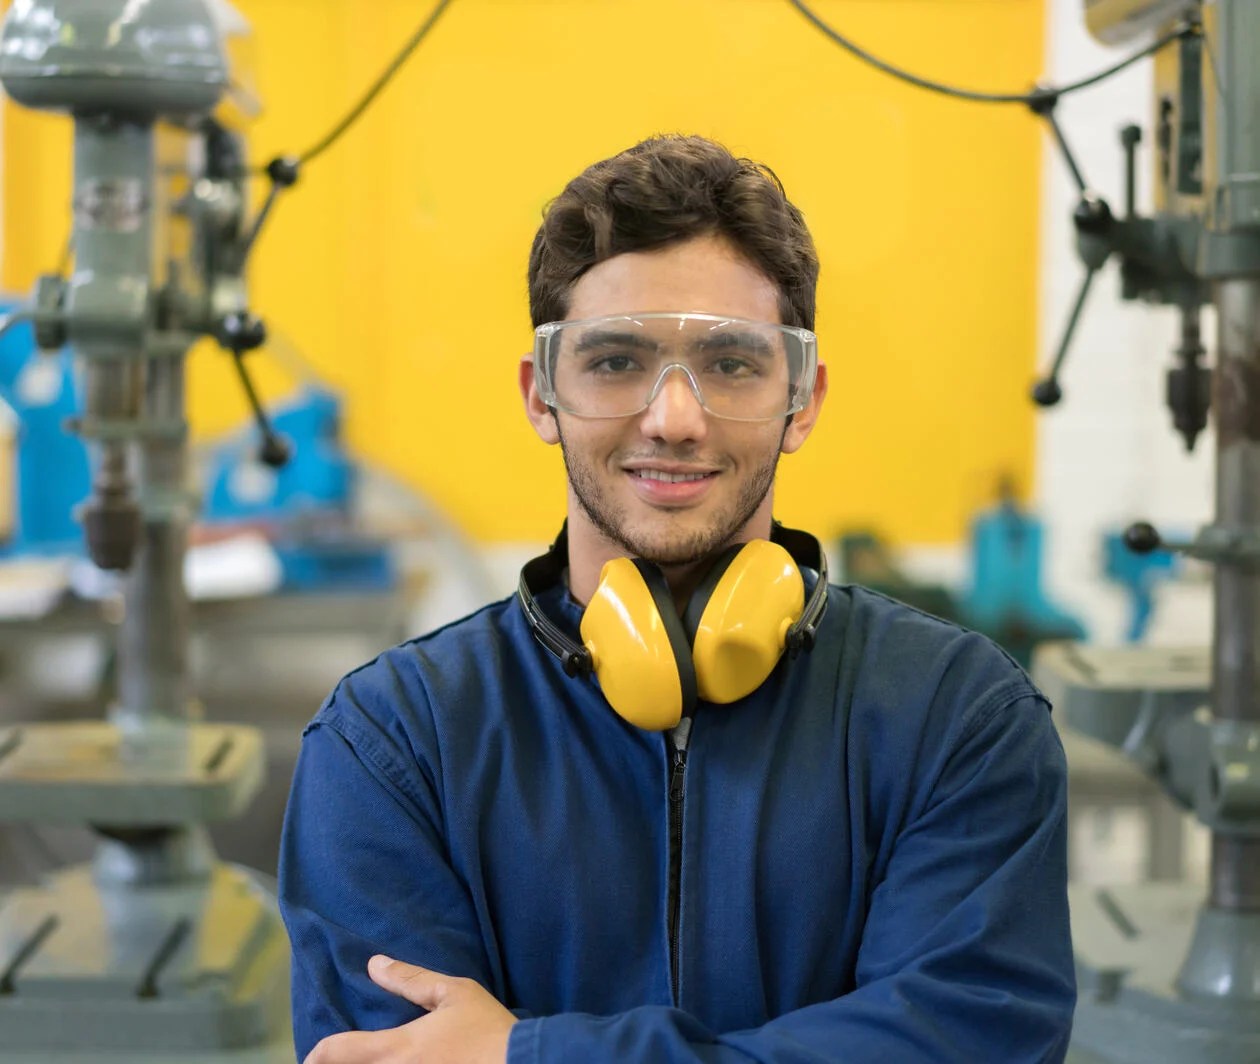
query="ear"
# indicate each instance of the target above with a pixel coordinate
(803, 423)
(539, 413)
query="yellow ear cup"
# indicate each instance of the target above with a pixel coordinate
(742, 631)
(632, 637)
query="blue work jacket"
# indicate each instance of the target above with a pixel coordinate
(863, 861)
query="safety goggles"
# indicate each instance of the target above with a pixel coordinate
(616, 366)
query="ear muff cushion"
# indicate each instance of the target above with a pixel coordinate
(635, 637)
(741, 633)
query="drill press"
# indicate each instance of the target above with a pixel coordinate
(155, 950)
(1165, 975)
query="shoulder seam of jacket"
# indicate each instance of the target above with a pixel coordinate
(366, 748)
(1001, 698)
(415, 640)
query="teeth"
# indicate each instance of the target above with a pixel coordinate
(669, 478)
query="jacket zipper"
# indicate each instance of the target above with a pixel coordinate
(677, 789)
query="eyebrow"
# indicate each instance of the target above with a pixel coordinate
(749, 342)
(602, 338)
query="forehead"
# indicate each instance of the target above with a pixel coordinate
(706, 275)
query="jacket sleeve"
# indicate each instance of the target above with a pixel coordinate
(352, 817)
(966, 952)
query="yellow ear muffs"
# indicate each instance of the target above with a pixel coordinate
(739, 617)
(638, 647)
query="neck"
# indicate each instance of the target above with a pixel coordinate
(590, 549)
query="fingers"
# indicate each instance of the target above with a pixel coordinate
(352, 1047)
(429, 990)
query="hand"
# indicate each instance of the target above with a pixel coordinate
(465, 1024)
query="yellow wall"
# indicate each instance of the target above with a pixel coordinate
(398, 264)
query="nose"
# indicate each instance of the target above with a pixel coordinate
(675, 414)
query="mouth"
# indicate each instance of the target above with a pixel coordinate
(671, 486)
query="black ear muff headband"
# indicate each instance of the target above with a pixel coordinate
(807, 551)
(547, 570)
(544, 572)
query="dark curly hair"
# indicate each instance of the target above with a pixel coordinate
(665, 190)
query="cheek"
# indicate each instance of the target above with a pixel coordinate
(590, 443)
(756, 447)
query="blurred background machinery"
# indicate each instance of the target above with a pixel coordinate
(298, 571)
(1167, 975)
(155, 946)
(1003, 595)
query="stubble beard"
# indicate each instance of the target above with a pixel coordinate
(674, 547)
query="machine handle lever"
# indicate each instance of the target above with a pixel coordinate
(283, 171)
(1047, 392)
(1043, 105)
(242, 333)
(1142, 537)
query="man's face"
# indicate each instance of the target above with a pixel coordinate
(616, 465)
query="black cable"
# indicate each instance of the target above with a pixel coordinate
(384, 79)
(284, 170)
(1030, 98)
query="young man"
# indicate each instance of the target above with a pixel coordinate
(492, 855)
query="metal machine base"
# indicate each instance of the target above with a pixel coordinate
(1109, 692)
(1140, 952)
(95, 772)
(193, 968)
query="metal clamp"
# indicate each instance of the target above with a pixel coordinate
(1216, 764)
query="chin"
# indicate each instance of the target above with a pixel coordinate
(679, 539)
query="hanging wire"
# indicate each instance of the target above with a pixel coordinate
(378, 87)
(1032, 99)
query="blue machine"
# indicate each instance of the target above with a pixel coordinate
(1139, 575)
(1005, 600)
(319, 477)
(52, 474)
(306, 505)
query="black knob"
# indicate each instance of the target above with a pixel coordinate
(1092, 215)
(275, 451)
(1141, 538)
(1047, 392)
(1043, 100)
(1131, 136)
(284, 170)
(243, 332)
(111, 525)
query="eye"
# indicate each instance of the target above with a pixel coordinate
(612, 365)
(730, 366)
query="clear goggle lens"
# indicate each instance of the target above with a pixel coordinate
(616, 366)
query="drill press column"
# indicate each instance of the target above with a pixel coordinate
(1235, 867)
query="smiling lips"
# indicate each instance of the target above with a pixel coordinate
(671, 486)
(669, 478)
